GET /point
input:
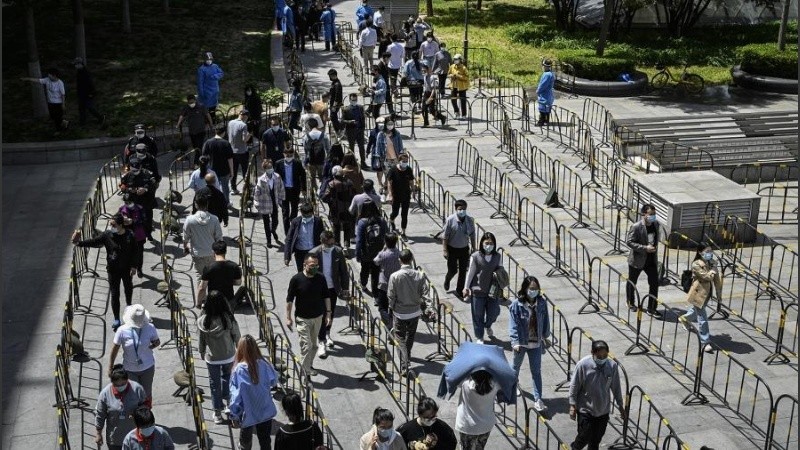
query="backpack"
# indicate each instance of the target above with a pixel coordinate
(374, 238)
(315, 149)
(686, 280)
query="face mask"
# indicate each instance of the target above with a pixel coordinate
(651, 218)
(147, 431)
(141, 155)
(275, 128)
(430, 39)
(192, 105)
(427, 422)
(248, 92)
(208, 62)
(121, 388)
(354, 102)
(403, 165)
(708, 256)
(461, 213)
(488, 248)
(269, 172)
(385, 434)
(313, 270)
(533, 293)
(600, 361)
(140, 134)
(307, 219)
(289, 158)
(135, 171)
(390, 127)
(327, 248)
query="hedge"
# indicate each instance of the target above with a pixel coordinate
(591, 67)
(765, 59)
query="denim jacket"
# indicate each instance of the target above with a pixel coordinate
(380, 144)
(520, 317)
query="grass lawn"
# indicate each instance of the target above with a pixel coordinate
(519, 33)
(142, 77)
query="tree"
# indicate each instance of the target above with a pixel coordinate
(429, 7)
(80, 33)
(608, 14)
(126, 16)
(34, 67)
(565, 14)
(784, 23)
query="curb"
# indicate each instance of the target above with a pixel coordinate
(763, 83)
(582, 86)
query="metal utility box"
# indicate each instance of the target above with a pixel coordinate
(681, 198)
(397, 11)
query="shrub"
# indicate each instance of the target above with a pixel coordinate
(765, 59)
(273, 97)
(591, 67)
(531, 33)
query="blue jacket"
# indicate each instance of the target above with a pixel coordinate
(252, 404)
(472, 357)
(363, 12)
(328, 19)
(380, 144)
(208, 77)
(520, 317)
(379, 92)
(279, 4)
(544, 92)
(411, 71)
(287, 25)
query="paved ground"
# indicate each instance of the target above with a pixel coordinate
(31, 332)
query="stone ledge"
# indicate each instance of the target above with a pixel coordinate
(583, 86)
(763, 83)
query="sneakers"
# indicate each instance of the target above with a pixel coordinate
(489, 332)
(329, 342)
(312, 372)
(479, 341)
(321, 351)
(519, 392)
(115, 324)
(655, 314)
(218, 418)
(684, 323)
(708, 348)
(539, 406)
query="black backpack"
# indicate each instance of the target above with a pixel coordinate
(686, 280)
(374, 238)
(315, 149)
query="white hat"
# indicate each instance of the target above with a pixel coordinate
(457, 56)
(136, 316)
(336, 170)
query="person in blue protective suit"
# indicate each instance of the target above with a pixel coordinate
(279, 4)
(208, 76)
(544, 93)
(328, 19)
(363, 12)
(288, 26)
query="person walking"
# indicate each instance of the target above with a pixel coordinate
(396, 52)
(406, 290)
(56, 97)
(140, 136)
(382, 435)
(219, 334)
(221, 276)
(371, 234)
(255, 108)
(352, 172)
(335, 99)
(273, 141)
(339, 195)
(293, 176)
(295, 106)
(220, 152)
(380, 92)
(317, 147)
(705, 276)
(441, 67)
(142, 184)
(328, 19)
(333, 265)
(367, 40)
(458, 235)
(529, 328)
(137, 338)
(459, 84)
(475, 413)
(217, 203)
(388, 261)
(251, 407)
(480, 276)
(86, 93)
(238, 137)
(133, 217)
(309, 290)
(387, 151)
(418, 429)
(208, 76)
(414, 79)
(299, 432)
(115, 406)
(368, 194)
(430, 86)
(200, 231)
(197, 179)
(642, 238)
(354, 120)
(269, 193)
(121, 260)
(400, 185)
(303, 235)
(594, 380)
(545, 93)
(197, 118)
(287, 25)
(428, 49)
(147, 435)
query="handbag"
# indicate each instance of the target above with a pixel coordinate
(686, 280)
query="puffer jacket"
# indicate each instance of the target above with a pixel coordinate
(217, 343)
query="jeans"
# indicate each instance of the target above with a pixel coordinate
(401, 207)
(325, 330)
(239, 160)
(485, 311)
(457, 262)
(262, 430)
(369, 269)
(473, 441)
(114, 278)
(590, 431)
(224, 183)
(652, 281)
(404, 332)
(535, 362)
(307, 331)
(702, 322)
(219, 378)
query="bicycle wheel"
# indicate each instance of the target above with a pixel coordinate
(659, 81)
(693, 83)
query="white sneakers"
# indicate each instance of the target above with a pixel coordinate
(489, 332)
(708, 348)
(321, 352)
(479, 341)
(539, 406)
(218, 418)
(329, 342)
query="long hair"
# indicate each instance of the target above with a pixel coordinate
(204, 160)
(247, 352)
(482, 380)
(526, 282)
(216, 306)
(349, 159)
(488, 236)
(701, 246)
(369, 210)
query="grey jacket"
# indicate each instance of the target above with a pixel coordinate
(591, 387)
(217, 343)
(116, 415)
(406, 290)
(160, 441)
(341, 280)
(637, 242)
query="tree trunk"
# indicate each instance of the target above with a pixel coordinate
(34, 70)
(80, 35)
(429, 7)
(479, 5)
(166, 7)
(608, 13)
(126, 16)
(784, 22)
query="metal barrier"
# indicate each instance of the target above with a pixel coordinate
(764, 174)
(543, 437)
(646, 426)
(791, 346)
(784, 423)
(779, 205)
(598, 118)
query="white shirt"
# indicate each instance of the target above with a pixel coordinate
(398, 51)
(368, 37)
(135, 341)
(377, 19)
(408, 316)
(475, 413)
(429, 49)
(55, 90)
(327, 270)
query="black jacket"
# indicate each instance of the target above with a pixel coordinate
(336, 94)
(130, 183)
(121, 250)
(217, 204)
(348, 115)
(85, 84)
(341, 280)
(291, 236)
(298, 174)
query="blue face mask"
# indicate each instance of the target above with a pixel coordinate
(461, 213)
(147, 431)
(488, 248)
(600, 361)
(533, 293)
(708, 256)
(651, 218)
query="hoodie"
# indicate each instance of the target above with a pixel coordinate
(201, 230)
(217, 343)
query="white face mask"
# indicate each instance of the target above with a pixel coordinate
(269, 172)
(208, 62)
(390, 127)
(140, 134)
(427, 422)
(147, 431)
(354, 102)
(248, 92)
(488, 248)
(192, 104)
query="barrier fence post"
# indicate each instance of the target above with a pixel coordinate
(638, 348)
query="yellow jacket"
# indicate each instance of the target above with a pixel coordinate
(459, 77)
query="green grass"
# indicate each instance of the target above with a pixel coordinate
(519, 33)
(144, 77)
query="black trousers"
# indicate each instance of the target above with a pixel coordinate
(262, 430)
(140, 251)
(459, 96)
(86, 105)
(383, 308)
(590, 431)
(289, 207)
(652, 281)
(369, 269)
(442, 82)
(340, 228)
(325, 330)
(400, 207)
(337, 125)
(457, 262)
(270, 223)
(114, 278)
(294, 120)
(299, 257)
(355, 136)
(240, 160)
(56, 111)
(429, 108)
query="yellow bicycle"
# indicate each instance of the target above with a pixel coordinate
(689, 82)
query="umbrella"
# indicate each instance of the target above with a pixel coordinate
(472, 357)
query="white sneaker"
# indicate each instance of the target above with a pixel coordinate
(519, 392)
(321, 352)
(218, 418)
(539, 406)
(329, 342)
(708, 348)
(489, 332)
(479, 341)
